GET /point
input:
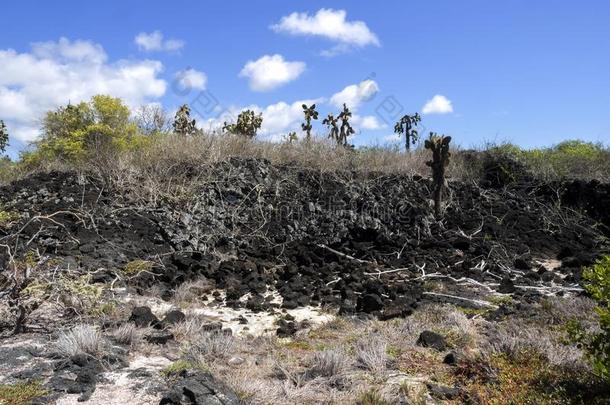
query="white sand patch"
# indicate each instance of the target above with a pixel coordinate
(258, 323)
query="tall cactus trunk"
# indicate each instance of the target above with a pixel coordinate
(439, 146)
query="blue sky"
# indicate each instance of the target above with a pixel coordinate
(533, 73)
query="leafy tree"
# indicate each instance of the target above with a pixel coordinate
(406, 125)
(333, 128)
(346, 129)
(248, 123)
(76, 131)
(3, 137)
(310, 113)
(439, 146)
(183, 124)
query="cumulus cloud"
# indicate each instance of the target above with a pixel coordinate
(369, 122)
(155, 41)
(438, 104)
(271, 71)
(330, 24)
(354, 95)
(55, 73)
(189, 79)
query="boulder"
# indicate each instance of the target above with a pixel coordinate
(433, 340)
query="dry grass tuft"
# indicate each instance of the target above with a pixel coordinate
(328, 363)
(209, 347)
(81, 339)
(191, 291)
(371, 353)
(129, 334)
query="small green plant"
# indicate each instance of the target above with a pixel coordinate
(183, 124)
(407, 126)
(248, 123)
(3, 137)
(22, 393)
(310, 113)
(439, 146)
(7, 218)
(346, 129)
(333, 128)
(597, 345)
(137, 266)
(180, 366)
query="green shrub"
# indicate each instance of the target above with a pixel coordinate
(77, 132)
(572, 158)
(597, 345)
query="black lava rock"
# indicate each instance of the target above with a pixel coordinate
(506, 286)
(522, 263)
(432, 339)
(159, 338)
(370, 303)
(143, 317)
(199, 388)
(443, 392)
(173, 317)
(452, 359)
(286, 328)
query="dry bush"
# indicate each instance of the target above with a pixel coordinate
(515, 337)
(129, 334)
(81, 339)
(191, 291)
(559, 310)
(171, 166)
(444, 319)
(371, 353)
(191, 328)
(328, 363)
(209, 347)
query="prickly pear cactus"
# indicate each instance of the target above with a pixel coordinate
(439, 146)
(310, 114)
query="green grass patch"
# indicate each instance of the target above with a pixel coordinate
(135, 267)
(22, 393)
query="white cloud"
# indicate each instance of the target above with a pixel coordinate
(155, 41)
(369, 122)
(191, 79)
(355, 94)
(392, 138)
(438, 105)
(330, 24)
(55, 73)
(271, 71)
